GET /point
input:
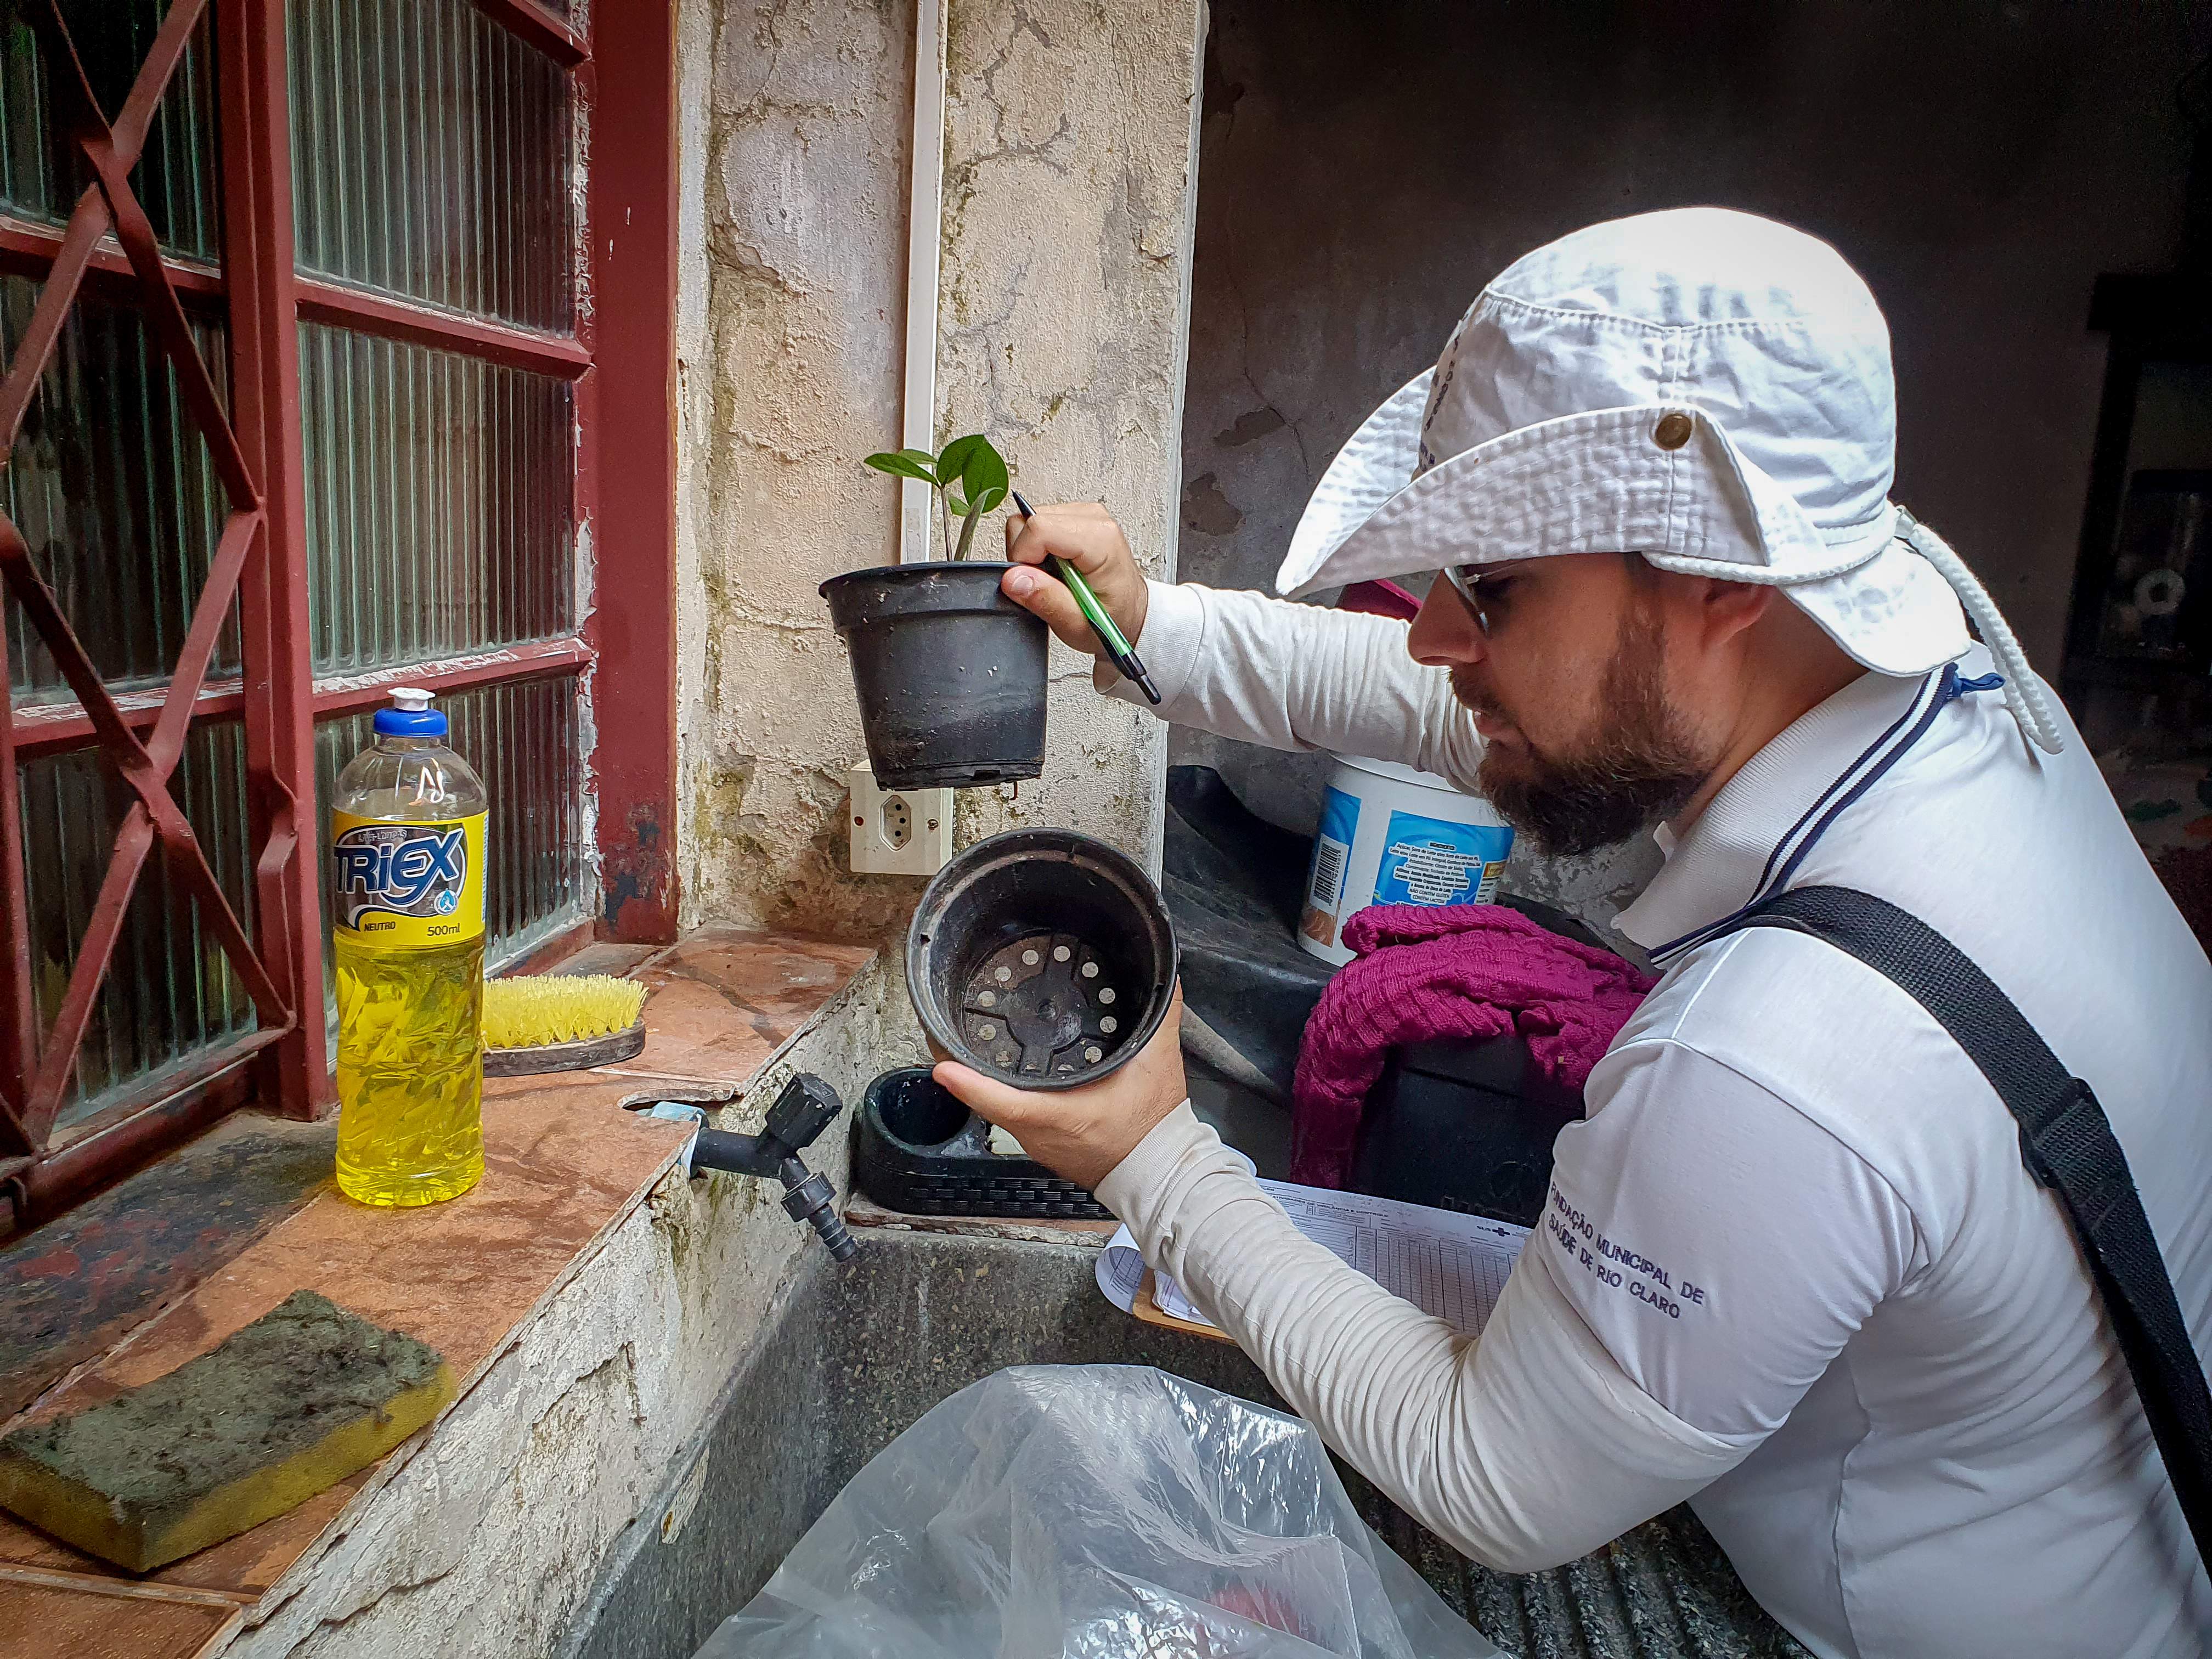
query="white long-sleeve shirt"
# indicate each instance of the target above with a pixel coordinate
(1791, 1266)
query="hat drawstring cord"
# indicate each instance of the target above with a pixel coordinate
(2024, 694)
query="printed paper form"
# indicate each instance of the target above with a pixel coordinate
(1450, 1267)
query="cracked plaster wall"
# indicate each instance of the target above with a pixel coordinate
(484, 1541)
(1068, 348)
(1063, 323)
(1980, 167)
(795, 120)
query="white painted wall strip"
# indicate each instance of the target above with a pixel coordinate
(924, 219)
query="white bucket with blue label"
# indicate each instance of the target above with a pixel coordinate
(1390, 834)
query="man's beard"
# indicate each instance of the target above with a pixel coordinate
(1643, 769)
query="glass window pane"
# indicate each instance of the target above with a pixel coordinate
(170, 991)
(522, 738)
(113, 488)
(439, 490)
(42, 175)
(431, 159)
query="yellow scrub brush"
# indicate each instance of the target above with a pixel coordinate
(561, 1023)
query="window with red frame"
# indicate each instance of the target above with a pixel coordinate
(337, 359)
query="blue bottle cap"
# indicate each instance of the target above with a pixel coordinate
(412, 717)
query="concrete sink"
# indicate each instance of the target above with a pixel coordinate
(859, 1352)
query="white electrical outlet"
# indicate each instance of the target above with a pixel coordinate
(898, 832)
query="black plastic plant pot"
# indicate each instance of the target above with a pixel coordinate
(1042, 958)
(917, 1149)
(949, 671)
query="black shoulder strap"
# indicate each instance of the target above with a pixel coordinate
(2067, 1144)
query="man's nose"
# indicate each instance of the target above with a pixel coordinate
(1444, 632)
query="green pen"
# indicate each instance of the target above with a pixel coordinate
(1118, 648)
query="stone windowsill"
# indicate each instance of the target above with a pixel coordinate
(565, 1166)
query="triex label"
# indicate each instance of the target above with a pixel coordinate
(407, 885)
(1433, 861)
(1332, 857)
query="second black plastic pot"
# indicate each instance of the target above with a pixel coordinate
(949, 673)
(1041, 956)
(917, 1149)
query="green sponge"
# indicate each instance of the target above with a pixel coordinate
(296, 1402)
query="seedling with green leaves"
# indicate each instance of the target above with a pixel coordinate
(969, 465)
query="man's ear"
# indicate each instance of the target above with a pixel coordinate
(1726, 610)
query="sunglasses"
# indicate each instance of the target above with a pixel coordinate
(1467, 583)
(1467, 580)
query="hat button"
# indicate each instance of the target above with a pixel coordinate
(1673, 430)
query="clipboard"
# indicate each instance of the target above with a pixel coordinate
(1146, 1307)
(1450, 1266)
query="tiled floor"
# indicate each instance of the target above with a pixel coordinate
(723, 1001)
(564, 1162)
(50, 1615)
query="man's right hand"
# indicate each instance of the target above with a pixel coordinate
(1086, 536)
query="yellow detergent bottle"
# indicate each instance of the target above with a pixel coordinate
(407, 903)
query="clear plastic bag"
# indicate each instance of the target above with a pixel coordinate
(1096, 1512)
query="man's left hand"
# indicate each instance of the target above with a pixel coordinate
(1081, 1135)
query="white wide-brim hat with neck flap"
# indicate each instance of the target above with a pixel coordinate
(1707, 388)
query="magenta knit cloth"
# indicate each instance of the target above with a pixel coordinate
(1423, 972)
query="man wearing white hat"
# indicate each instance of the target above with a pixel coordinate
(1653, 464)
